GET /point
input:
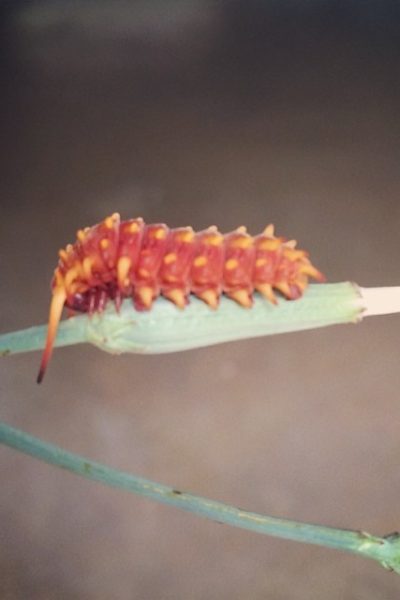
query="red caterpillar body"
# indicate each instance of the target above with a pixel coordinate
(119, 259)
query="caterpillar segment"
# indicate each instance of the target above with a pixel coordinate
(118, 259)
(207, 266)
(238, 267)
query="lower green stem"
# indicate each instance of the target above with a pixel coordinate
(385, 550)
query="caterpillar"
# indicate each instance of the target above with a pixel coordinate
(118, 259)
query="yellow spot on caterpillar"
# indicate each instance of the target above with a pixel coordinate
(146, 296)
(185, 236)
(109, 222)
(241, 229)
(104, 243)
(87, 266)
(242, 297)
(123, 267)
(210, 297)
(200, 261)
(270, 244)
(144, 273)
(214, 240)
(159, 233)
(170, 278)
(133, 228)
(169, 258)
(260, 262)
(242, 242)
(176, 296)
(231, 264)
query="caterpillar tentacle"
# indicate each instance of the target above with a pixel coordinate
(56, 308)
(118, 259)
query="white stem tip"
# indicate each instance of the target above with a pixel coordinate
(380, 300)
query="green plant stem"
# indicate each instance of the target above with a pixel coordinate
(71, 331)
(386, 550)
(165, 328)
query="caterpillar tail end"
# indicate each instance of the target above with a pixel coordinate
(56, 307)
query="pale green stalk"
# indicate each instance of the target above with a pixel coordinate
(165, 328)
(385, 550)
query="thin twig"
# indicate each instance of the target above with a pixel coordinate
(385, 550)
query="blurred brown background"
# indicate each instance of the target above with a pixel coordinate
(199, 113)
